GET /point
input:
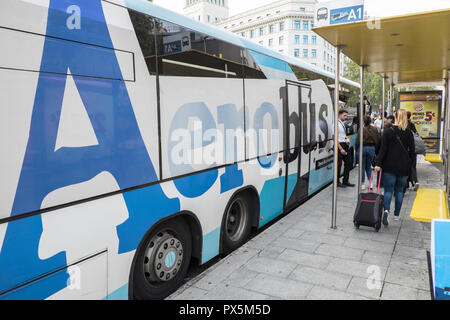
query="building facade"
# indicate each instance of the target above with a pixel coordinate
(207, 11)
(284, 26)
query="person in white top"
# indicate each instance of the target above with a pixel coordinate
(344, 147)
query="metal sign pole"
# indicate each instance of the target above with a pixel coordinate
(336, 133)
(362, 109)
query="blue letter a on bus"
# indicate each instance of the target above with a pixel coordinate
(120, 150)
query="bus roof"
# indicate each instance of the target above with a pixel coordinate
(156, 11)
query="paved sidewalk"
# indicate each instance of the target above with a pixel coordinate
(300, 257)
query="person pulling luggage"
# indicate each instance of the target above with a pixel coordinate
(395, 158)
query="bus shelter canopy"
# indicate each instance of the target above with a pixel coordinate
(405, 49)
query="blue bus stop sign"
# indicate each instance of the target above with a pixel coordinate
(440, 258)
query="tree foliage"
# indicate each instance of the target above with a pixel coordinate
(373, 84)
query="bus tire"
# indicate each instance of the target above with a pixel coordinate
(162, 261)
(236, 225)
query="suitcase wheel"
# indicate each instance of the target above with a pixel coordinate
(356, 225)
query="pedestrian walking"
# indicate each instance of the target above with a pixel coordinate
(371, 137)
(395, 159)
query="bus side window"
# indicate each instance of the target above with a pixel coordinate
(184, 52)
(144, 27)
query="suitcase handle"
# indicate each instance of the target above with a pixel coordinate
(379, 181)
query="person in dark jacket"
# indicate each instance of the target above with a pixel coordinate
(411, 126)
(412, 179)
(371, 138)
(395, 159)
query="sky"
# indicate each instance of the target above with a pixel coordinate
(374, 8)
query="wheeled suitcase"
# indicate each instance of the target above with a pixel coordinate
(370, 207)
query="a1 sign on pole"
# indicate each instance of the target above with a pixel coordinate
(337, 12)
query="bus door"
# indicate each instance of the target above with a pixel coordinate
(296, 138)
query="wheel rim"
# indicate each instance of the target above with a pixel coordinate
(236, 222)
(163, 257)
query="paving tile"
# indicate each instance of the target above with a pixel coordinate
(191, 293)
(241, 277)
(408, 275)
(370, 245)
(271, 252)
(296, 244)
(321, 277)
(305, 259)
(365, 287)
(412, 261)
(340, 252)
(410, 252)
(397, 292)
(355, 268)
(423, 295)
(321, 293)
(411, 242)
(213, 276)
(309, 226)
(287, 289)
(375, 258)
(274, 267)
(226, 292)
(322, 238)
(293, 233)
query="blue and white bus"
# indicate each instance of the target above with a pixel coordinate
(99, 196)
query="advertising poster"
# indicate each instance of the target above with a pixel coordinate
(425, 110)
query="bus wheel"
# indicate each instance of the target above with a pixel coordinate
(236, 225)
(162, 261)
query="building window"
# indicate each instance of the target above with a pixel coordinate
(305, 39)
(271, 28)
(281, 40)
(302, 9)
(252, 33)
(312, 24)
(270, 42)
(314, 39)
(281, 26)
(296, 53)
(305, 53)
(261, 31)
(243, 34)
(297, 39)
(261, 42)
(297, 25)
(209, 18)
(313, 53)
(305, 25)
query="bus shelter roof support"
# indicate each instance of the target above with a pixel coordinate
(362, 111)
(336, 174)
